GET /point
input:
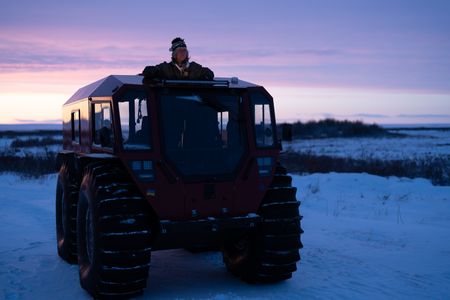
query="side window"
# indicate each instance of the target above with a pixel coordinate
(103, 132)
(75, 124)
(135, 121)
(222, 123)
(264, 127)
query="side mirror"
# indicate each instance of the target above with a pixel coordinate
(279, 145)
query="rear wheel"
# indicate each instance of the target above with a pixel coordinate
(66, 214)
(269, 253)
(114, 234)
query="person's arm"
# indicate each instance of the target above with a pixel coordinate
(198, 72)
(207, 74)
(154, 72)
(150, 71)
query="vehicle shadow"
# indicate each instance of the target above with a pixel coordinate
(182, 274)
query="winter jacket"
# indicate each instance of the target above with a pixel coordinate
(171, 71)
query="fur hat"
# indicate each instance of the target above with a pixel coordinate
(177, 43)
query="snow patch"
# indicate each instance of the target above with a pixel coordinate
(365, 237)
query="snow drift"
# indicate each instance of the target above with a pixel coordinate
(365, 237)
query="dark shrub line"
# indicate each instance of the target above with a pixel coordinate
(329, 128)
(13, 134)
(47, 141)
(437, 169)
(29, 165)
(421, 128)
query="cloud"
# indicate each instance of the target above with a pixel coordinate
(377, 116)
(424, 116)
(383, 116)
(37, 56)
(327, 115)
(33, 121)
(34, 55)
(267, 63)
(353, 116)
(318, 52)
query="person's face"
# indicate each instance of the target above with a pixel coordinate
(181, 54)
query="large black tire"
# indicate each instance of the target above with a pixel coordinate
(114, 233)
(66, 214)
(269, 253)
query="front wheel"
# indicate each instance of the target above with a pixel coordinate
(114, 234)
(270, 252)
(66, 215)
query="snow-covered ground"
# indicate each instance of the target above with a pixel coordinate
(366, 237)
(418, 144)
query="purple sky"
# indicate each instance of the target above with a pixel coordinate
(382, 61)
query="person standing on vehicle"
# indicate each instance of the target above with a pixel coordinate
(179, 68)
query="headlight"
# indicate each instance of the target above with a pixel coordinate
(264, 165)
(143, 170)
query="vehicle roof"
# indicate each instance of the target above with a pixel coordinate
(106, 87)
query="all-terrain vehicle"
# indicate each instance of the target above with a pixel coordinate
(172, 164)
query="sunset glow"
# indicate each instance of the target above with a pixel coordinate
(377, 62)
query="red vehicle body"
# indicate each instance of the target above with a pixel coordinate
(202, 154)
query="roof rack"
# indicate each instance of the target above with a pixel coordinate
(225, 83)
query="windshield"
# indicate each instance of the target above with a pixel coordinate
(202, 132)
